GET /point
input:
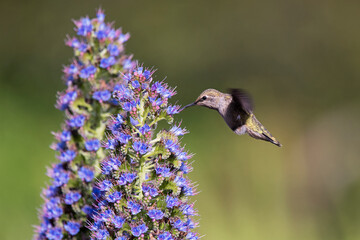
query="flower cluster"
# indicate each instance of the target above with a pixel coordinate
(118, 175)
(144, 192)
(91, 78)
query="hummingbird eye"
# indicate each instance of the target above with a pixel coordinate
(203, 98)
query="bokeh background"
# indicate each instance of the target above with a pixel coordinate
(299, 59)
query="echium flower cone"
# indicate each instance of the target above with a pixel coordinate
(91, 78)
(135, 187)
(143, 192)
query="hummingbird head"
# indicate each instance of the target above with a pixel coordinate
(209, 98)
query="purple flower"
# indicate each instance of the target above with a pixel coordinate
(65, 136)
(144, 129)
(163, 171)
(54, 234)
(118, 221)
(192, 236)
(92, 145)
(86, 174)
(155, 214)
(105, 185)
(124, 37)
(141, 147)
(107, 62)
(88, 210)
(66, 99)
(187, 210)
(101, 234)
(135, 84)
(102, 96)
(172, 202)
(124, 138)
(84, 26)
(72, 197)
(113, 50)
(52, 208)
(59, 175)
(87, 72)
(77, 121)
(134, 207)
(114, 197)
(177, 131)
(165, 236)
(172, 110)
(72, 227)
(180, 181)
(138, 230)
(100, 15)
(67, 156)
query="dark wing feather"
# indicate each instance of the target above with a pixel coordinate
(242, 98)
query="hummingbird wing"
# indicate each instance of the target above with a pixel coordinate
(243, 99)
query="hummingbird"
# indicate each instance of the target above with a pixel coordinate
(236, 108)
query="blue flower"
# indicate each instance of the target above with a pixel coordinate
(84, 26)
(111, 144)
(144, 129)
(54, 234)
(130, 177)
(72, 197)
(105, 185)
(100, 15)
(113, 50)
(67, 156)
(172, 202)
(134, 207)
(92, 145)
(101, 234)
(77, 121)
(59, 175)
(65, 136)
(165, 236)
(135, 84)
(172, 110)
(86, 174)
(180, 181)
(114, 197)
(140, 147)
(52, 208)
(118, 221)
(124, 37)
(177, 131)
(179, 225)
(102, 96)
(72, 227)
(187, 210)
(66, 99)
(88, 210)
(124, 138)
(87, 72)
(122, 180)
(163, 171)
(155, 214)
(107, 62)
(106, 215)
(191, 236)
(138, 230)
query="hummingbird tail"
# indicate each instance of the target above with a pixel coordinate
(256, 130)
(271, 139)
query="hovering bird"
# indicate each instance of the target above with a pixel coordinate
(236, 107)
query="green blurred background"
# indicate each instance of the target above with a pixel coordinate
(299, 59)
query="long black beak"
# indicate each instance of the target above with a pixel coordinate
(189, 105)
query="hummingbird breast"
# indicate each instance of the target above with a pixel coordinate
(234, 117)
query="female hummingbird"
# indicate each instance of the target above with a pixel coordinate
(236, 107)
